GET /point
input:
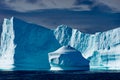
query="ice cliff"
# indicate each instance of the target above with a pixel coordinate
(25, 46)
(7, 45)
(102, 49)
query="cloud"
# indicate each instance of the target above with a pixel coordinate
(113, 4)
(100, 5)
(20, 5)
(86, 2)
(94, 5)
(79, 5)
(82, 14)
(32, 1)
(3, 5)
(28, 5)
(101, 8)
(86, 21)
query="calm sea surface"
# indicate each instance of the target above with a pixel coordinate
(59, 75)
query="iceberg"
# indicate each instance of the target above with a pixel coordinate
(67, 58)
(25, 46)
(102, 49)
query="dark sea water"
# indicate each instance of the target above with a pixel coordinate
(59, 75)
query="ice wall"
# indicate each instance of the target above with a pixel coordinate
(33, 43)
(101, 48)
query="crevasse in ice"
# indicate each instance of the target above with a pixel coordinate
(101, 48)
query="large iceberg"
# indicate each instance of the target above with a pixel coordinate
(67, 58)
(25, 46)
(102, 49)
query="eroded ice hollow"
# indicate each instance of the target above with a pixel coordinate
(67, 58)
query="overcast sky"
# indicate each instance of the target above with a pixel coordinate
(86, 15)
(29, 5)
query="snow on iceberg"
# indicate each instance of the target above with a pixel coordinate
(7, 45)
(101, 48)
(67, 58)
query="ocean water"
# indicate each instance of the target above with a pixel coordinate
(59, 75)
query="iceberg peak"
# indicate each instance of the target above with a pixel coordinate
(63, 26)
(8, 21)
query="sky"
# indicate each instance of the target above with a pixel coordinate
(86, 15)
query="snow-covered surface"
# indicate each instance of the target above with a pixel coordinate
(101, 48)
(67, 58)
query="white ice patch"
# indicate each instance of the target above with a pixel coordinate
(7, 45)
